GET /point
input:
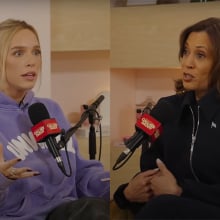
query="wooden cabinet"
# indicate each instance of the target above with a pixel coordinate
(80, 25)
(148, 36)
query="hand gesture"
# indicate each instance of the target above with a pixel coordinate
(139, 189)
(8, 170)
(164, 181)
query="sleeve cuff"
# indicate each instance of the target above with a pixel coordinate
(120, 198)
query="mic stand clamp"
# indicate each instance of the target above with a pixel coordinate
(62, 142)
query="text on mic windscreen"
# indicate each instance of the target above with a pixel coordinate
(43, 124)
(152, 124)
(148, 127)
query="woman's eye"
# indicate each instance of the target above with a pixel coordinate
(200, 55)
(18, 53)
(37, 52)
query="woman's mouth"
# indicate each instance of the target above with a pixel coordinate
(29, 75)
(187, 77)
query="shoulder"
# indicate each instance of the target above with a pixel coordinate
(171, 105)
(176, 99)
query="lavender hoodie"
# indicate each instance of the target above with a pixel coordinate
(33, 198)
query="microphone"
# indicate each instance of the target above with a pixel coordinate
(148, 126)
(83, 117)
(45, 129)
(96, 103)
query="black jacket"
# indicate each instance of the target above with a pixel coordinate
(195, 166)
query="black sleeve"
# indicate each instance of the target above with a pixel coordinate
(202, 191)
(148, 158)
(119, 197)
(122, 202)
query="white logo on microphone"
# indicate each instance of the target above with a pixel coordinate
(148, 124)
(213, 125)
(39, 131)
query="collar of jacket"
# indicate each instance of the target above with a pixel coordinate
(209, 103)
(7, 102)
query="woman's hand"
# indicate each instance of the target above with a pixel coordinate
(139, 189)
(164, 181)
(8, 170)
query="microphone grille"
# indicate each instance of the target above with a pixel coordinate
(38, 112)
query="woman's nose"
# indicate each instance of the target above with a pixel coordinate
(31, 61)
(188, 61)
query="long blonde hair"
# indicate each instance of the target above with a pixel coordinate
(8, 29)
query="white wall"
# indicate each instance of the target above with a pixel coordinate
(155, 83)
(37, 13)
(148, 36)
(79, 78)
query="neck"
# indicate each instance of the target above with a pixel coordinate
(15, 95)
(200, 94)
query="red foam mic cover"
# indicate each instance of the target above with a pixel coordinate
(150, 126)
(45, 128)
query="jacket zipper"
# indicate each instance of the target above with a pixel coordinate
(194, 135)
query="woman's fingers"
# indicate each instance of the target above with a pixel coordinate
(18, 173)
(8, 164)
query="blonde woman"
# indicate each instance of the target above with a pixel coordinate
(32, 187)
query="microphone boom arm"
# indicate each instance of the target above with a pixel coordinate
(67, 135)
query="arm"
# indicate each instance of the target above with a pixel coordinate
(9, 174)
(134, 194)
(165, 183)
(91, 178)
(4, 186)
(205, 192)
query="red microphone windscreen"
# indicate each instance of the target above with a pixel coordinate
(44, 126)
(150, 126)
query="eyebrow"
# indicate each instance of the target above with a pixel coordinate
(203, 47)
(23, 47)
(198, 47)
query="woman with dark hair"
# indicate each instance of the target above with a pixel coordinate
(180, 172)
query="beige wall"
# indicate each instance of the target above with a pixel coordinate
(78, 77)
(147, 36)
(80, 25)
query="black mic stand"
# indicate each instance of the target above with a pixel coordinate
(65, 136)
(92, 133)
(92, 136)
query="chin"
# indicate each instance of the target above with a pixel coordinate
(27, 88)
(188, 87)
